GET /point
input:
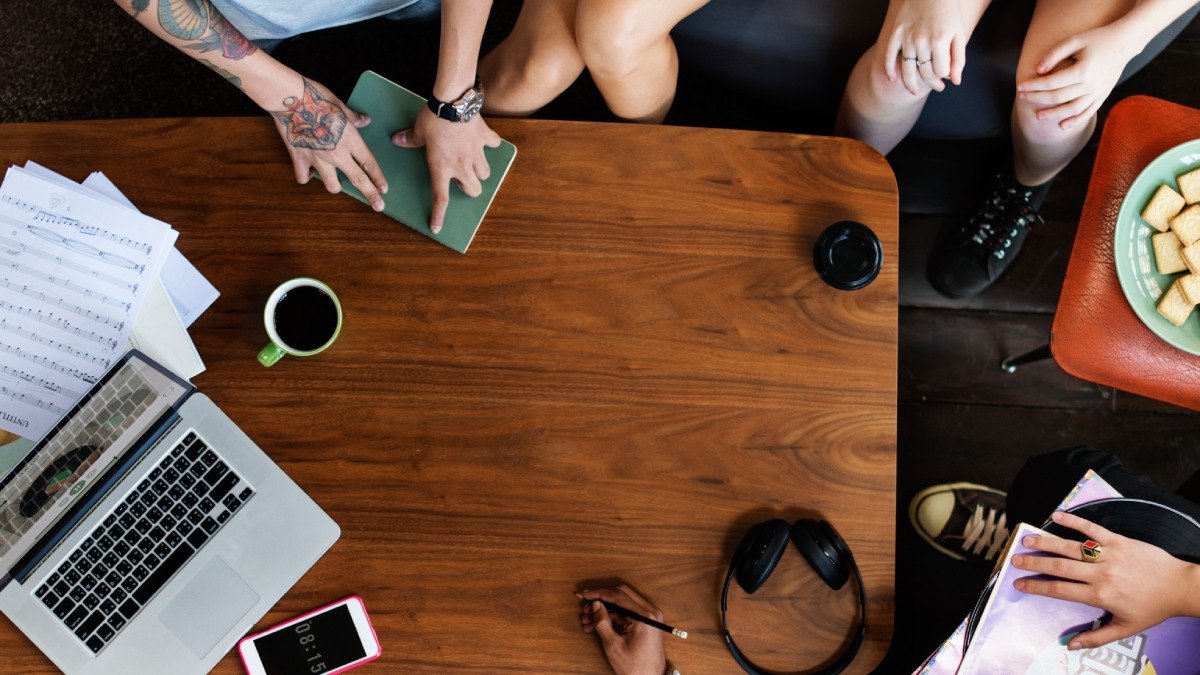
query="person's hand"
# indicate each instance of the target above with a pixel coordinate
(454, 152)
(926, 42)
(1089, 65)
(1139, 584)
(321, 134)
(632, 647)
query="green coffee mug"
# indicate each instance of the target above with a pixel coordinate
(303, 317)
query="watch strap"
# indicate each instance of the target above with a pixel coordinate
(446, 110)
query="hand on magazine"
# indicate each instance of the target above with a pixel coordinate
(1139, 584)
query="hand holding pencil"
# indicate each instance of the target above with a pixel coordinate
(632, 646)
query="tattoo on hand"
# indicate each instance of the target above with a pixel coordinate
(139, 6)
(198, 20)
(233, 79)
(312, 121)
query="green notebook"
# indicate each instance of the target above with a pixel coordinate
(409, 198)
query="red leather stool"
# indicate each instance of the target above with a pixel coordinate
(1096, 336)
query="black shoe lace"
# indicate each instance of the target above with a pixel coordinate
(1005, 214)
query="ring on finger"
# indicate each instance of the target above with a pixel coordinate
(911, 58)
(1090, 551)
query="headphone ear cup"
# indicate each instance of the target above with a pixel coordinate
(824, 550)
(759, 552)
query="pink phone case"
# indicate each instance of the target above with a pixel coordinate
(302, 617)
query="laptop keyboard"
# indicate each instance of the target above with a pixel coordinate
(109, 576)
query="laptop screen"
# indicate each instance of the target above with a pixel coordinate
(56, 472)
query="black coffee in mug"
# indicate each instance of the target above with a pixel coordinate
(306, 318)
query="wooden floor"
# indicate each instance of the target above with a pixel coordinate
(960, 418)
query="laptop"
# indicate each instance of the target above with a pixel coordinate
(146, 533)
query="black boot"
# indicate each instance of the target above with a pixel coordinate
(971, 257)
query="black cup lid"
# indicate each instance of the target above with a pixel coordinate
(848, 255)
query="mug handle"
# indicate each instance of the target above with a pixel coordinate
(271, 354)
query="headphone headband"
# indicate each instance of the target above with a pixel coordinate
(843, 660)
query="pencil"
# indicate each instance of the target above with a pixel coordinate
(630, 614)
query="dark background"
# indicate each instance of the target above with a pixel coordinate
(960, 417)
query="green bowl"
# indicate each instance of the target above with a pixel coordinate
(1134, 255)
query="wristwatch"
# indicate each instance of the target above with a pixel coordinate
(464, 109)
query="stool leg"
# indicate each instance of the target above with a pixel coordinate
(1009, 365)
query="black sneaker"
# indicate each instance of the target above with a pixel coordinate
(962, 520)
(972, 257)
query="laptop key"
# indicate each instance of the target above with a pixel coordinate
(161, 486)
(103, 589)
(145, 544)
(83, 566)
(137, 509)
(155, 514)
(116, 621)
(94, 644)
(111, 558)
(42, 590)
(90, 624)
(107, 606)
(195, 450)
(129, 608)
(173, 539)
(187, 480)
(165, 571)
(221, 489)
(168, 522)
(216, 473)
(140, 573)
(231, 502)
(197, 469)
(64, 608)
(50, 600)
(246, 494)
(119, 549)
(53, 579)
(170, 475)
(157, 533)
(131, 536)
(72, 577)
(76, 617)
(114, 578)
(129, 584)
(184, 528)
(77, 594)
(197, 538)
(105, 543)
(152, 561)
(61, 588)
(88, 582)
(155, 473)
(121, 509)
(93, 554)
(92, 601)
(207, 505)
(190, 499)
(224, 516)
(189, 438)
(105, 632)
(75, 555)
(194, 517)
(163, 550)
(179, 511)
(210, 526)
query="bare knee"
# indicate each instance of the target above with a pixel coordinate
(1042, 132)
(611, 36)
(879, 89)
(551, 63)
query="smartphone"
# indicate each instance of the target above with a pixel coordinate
(328, 640)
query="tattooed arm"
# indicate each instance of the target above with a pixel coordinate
(318, 130)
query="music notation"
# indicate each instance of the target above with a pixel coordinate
(60, 302)
(52, 364)
(68, 284)
(49, 319)
(95, 359)
(38, 381)
(15, 249)
(43, 216)
(30, 399)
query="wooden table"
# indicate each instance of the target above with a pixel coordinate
(635, 362)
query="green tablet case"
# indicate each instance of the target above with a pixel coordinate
(409, 198)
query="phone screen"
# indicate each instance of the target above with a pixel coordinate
(320, 644)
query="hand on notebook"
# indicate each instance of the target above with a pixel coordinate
(631, 647)
(1139, 584)
(321, 134)
(454, 152)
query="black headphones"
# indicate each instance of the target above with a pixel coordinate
(762, 547)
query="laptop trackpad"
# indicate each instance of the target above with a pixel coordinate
(208, 607)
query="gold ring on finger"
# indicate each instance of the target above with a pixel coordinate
(1090, 551)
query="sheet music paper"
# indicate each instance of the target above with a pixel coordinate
(75, 269)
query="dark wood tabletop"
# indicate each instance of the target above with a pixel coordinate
(635, 362)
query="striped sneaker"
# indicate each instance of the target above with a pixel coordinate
(962, 520)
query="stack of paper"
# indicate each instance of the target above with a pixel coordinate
(84, 276)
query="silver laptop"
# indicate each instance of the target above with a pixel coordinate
(146, 533)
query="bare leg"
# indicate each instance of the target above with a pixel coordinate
(535, 63)
(1041, 149)
(627, 47)
(880, 112)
